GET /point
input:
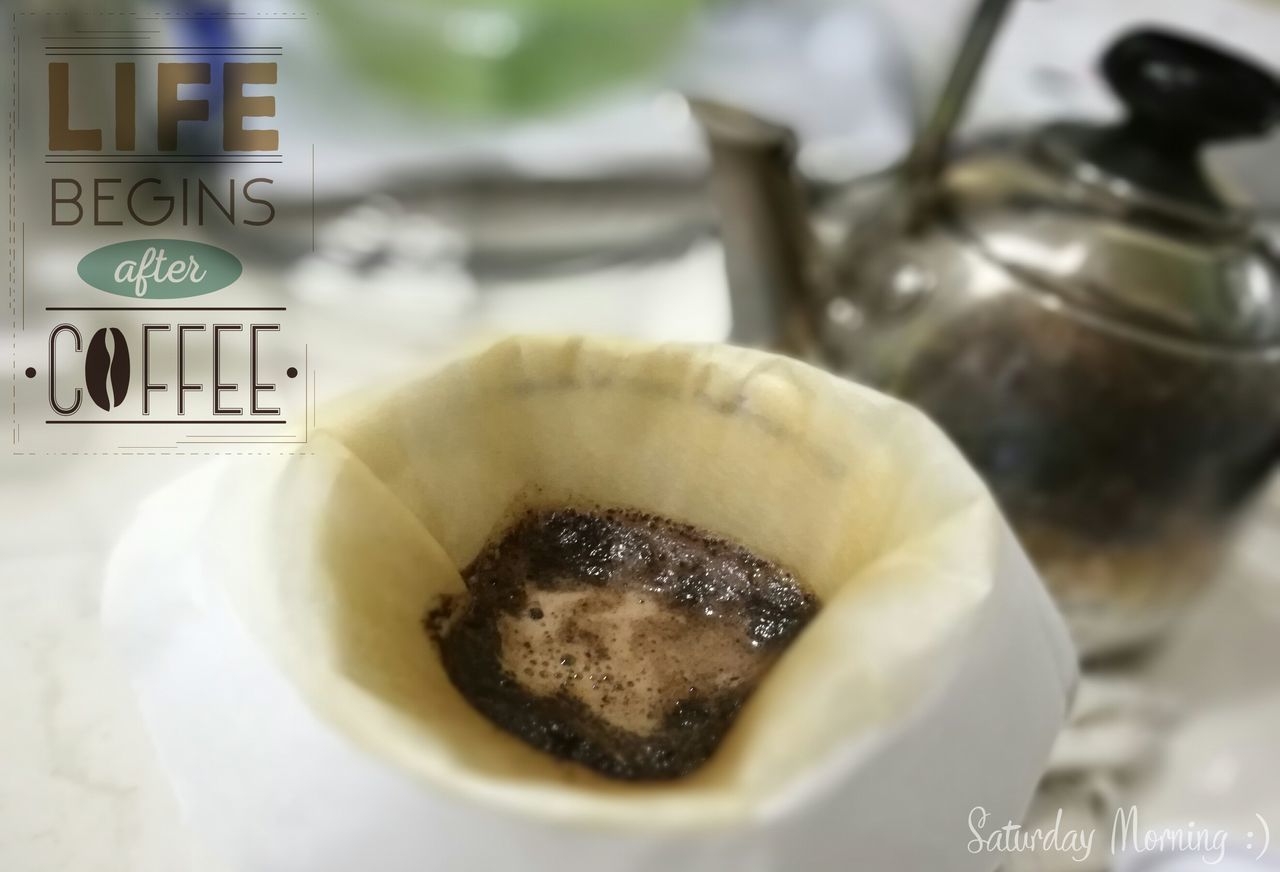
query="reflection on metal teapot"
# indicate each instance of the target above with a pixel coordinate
(1090, 319)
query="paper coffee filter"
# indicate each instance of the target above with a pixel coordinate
(860, 495)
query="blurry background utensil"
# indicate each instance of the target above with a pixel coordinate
(505, 57)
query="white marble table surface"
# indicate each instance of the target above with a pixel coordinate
(80, 790)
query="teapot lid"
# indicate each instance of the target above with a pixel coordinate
(1123, 219)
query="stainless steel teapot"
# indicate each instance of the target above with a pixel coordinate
(1091, 319)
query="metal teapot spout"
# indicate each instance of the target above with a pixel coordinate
(779, 280)
(771, 252)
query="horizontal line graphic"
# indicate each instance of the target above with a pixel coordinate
(165, 309)
(236, 422)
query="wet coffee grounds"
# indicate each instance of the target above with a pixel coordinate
(616, 639)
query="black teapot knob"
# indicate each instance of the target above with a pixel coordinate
(1180, 93)
(1190, 90)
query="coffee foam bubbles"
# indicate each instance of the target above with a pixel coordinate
(624, 653)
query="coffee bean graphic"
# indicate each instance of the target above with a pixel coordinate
(103, 369)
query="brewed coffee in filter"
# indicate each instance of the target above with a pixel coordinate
(616, 639)
(868, 737)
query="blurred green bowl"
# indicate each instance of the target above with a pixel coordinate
(504, 57)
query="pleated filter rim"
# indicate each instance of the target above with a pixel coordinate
(857, 493)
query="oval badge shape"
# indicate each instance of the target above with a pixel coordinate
(159, 269)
